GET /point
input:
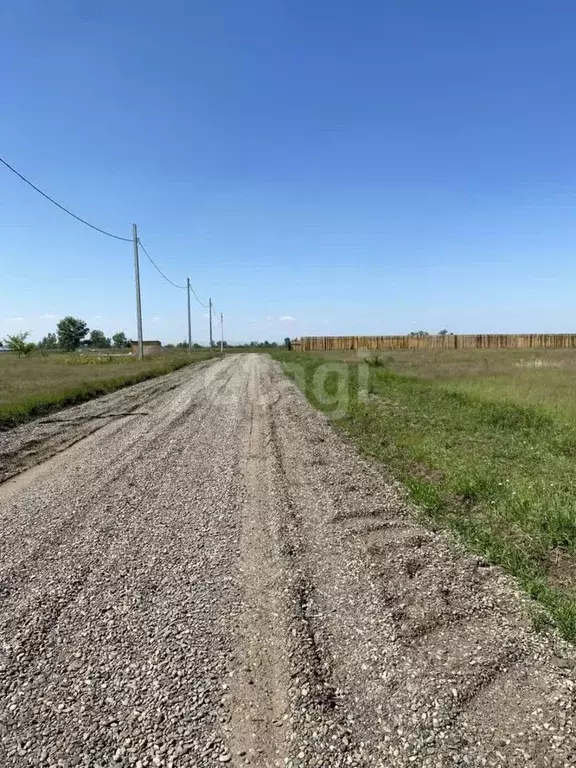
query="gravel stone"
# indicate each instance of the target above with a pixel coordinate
(199, 570)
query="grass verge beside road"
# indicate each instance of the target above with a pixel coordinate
(38, 384)
(476, 453)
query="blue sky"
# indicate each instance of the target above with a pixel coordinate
(369, 167)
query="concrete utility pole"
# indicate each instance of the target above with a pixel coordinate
(221, 333)
(138, 296)
(210, 313)
(189, 318)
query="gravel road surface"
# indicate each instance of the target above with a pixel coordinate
(199, 571)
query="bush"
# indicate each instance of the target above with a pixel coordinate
(17, 343)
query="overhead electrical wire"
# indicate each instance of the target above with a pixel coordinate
(197, 299)
(182, 287)
(102, 231)
(62, 207)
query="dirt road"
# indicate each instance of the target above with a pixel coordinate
(199, 571)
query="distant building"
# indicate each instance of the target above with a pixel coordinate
(150, 348)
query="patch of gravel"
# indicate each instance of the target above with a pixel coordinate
(219, 579)
(29, 444)
(118, 590)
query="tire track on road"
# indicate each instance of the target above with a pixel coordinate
(225, 581)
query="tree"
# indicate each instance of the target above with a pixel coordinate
(71, 332)
(17, 343)
(120, 340)
(419, 334)
(49, 342)
(288, 343)
(443, 332)
(98, 340)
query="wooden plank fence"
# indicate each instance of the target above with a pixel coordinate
(449, 341)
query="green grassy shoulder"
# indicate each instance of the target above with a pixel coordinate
(40, 384)
(497, 472)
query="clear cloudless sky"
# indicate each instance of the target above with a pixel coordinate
(316, 166)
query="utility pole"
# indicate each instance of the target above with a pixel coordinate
(221, 333)
(138, 296)
(210, 313)
(189, 319)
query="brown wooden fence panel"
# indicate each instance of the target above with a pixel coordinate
(450, 341)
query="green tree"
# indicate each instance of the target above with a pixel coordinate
(443, 332)
(98, 340)
(50, 341)
(17, 343)
(71, 332)
(120, 340)
(288, 343)
(419, 334)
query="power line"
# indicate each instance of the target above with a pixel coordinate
(134, 239)
(62, 208)
(197, 299)
(182, 287)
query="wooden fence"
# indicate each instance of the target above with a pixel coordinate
(449, 341)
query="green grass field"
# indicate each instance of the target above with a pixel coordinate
(30, 386)
(485, 442)
(528, 377)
